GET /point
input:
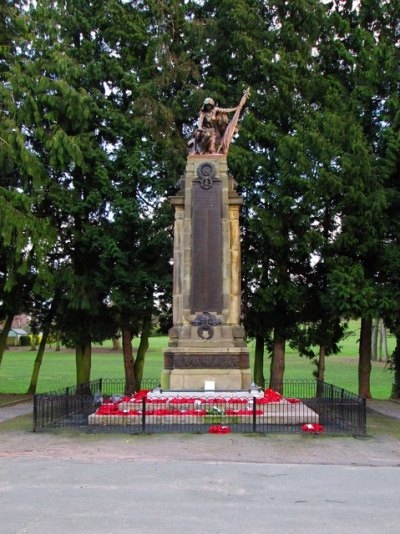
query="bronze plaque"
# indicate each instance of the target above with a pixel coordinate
(206, 248)
(206, 361)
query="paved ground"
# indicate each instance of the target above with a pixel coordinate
(14, 410)
(385, 407)
(194, 497)
(66, 482)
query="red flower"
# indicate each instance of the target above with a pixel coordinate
(142, 393)
(236, 400)
(180, 400)
(294, 401)
(219, 429)
(272, 396)
(312, 427)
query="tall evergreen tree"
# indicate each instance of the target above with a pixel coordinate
(388, 150)
(25, 235)
(65, 110)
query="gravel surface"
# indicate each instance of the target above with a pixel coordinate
(381, 446)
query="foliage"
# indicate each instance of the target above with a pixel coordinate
(98, 100)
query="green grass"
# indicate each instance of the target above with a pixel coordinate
(58, 368)
(10, 398)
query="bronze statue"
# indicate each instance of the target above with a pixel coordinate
(214, 132)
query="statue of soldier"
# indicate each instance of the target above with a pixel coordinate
(211, 127)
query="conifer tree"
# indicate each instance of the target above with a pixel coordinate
(153, 109)
(25, 235)
(65, 112)
(283, 86)
(388, 150)
(359, 40)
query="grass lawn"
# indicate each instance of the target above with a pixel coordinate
(11, 398)
(58, 368)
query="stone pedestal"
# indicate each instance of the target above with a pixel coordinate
(206, 342)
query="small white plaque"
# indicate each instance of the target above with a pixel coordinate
(209, 385)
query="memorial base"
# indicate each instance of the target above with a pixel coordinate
(195, 379)
(189, 368)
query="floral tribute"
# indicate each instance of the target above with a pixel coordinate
(219, 429)
(218, 411)
(313, 427)
(188, 406)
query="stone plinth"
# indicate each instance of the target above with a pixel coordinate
(206, 341)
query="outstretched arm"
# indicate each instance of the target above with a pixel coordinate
(226, 110)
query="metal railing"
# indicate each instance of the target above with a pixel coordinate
(102, 406)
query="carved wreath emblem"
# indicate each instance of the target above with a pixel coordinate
(206, 173)
(205, 323)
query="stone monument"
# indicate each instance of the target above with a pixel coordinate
(206, 346)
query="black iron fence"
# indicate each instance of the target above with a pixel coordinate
(301, 406)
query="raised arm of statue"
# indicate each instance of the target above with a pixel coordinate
(226, 110)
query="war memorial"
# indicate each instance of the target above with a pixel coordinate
(205, 384)
(206, 343)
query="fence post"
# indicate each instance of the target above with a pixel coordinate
(343, 407)
(254, 414)
(67, 401)
(144, 414)
(34, 413)
(51, 412)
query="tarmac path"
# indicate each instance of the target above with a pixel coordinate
(64, 496)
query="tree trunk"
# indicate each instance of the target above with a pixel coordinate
(58, 344)
(277, 362)
(38, 362)
(396, 370)
(364, 364)
(321, 369)
(259, 362)
(83, 354)
(42, 348)
(374, 345)
(141, 352)
(380, 350)
(384, 342)
(116, 345)
(129, 362)
(4, 335)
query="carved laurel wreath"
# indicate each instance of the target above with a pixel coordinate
(206, 173)
(205, 323)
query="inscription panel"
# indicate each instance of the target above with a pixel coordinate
(206, 361)
(206, 294)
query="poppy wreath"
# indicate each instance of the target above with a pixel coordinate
(112, 406)
(219, 429)
(313, 427)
